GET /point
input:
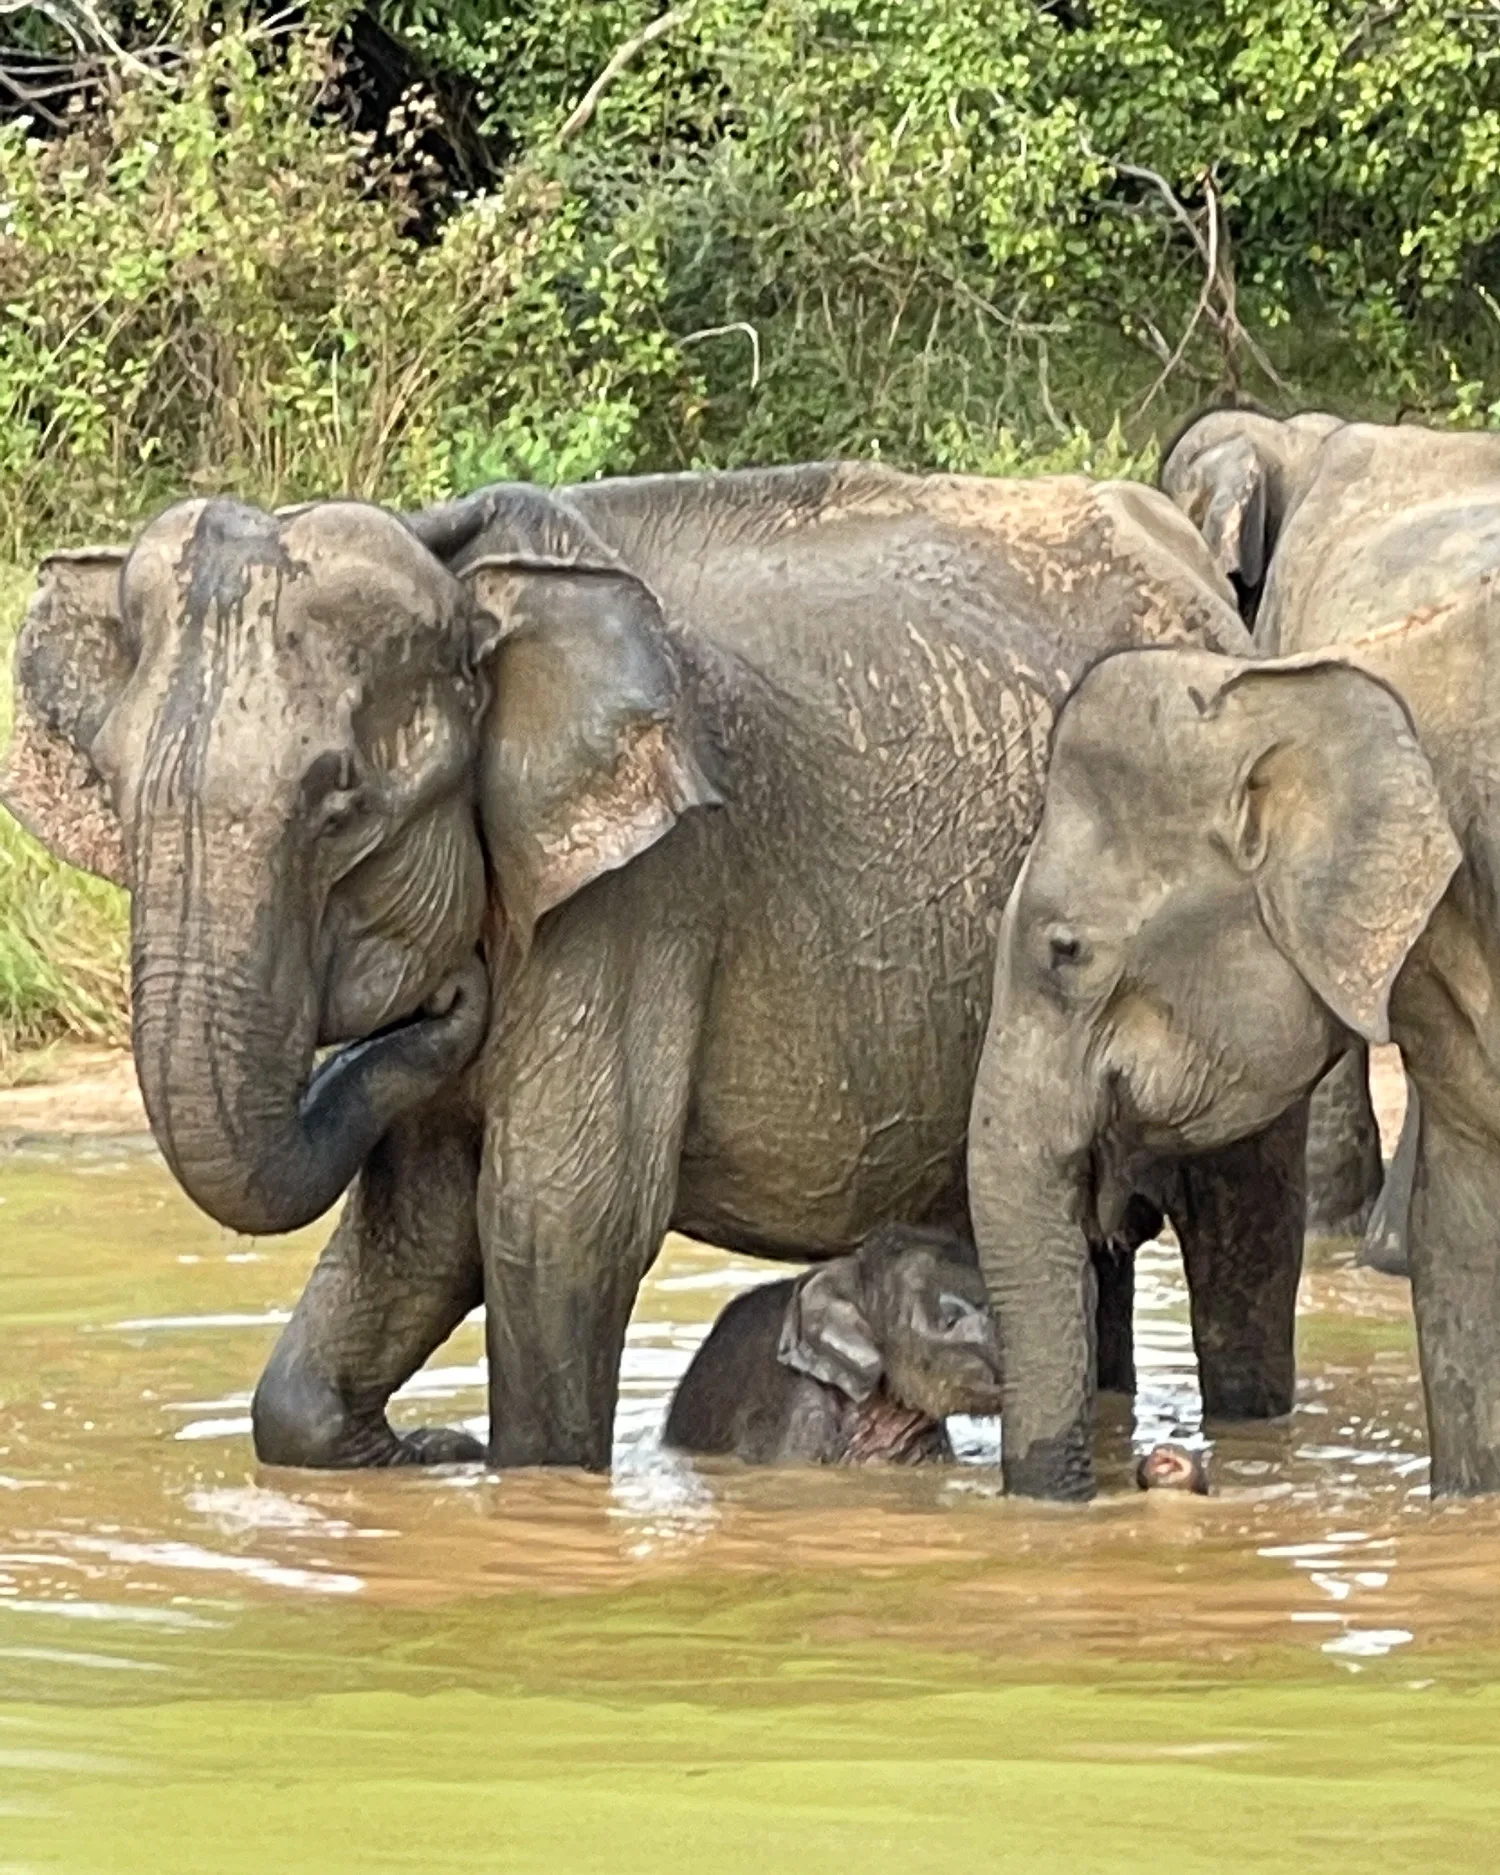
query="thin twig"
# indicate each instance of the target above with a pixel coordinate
(1210, 251)
(33, 99)
(735, 325)
(1168, 195)
(1212, 244)
(581, 114)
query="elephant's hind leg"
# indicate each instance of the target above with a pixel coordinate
(1114, 1318)
(396, 1278)
(1239, 1215)
(1343, 1149)
(1385, 1247)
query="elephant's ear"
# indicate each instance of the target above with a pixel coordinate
(1224, 492)
(825, 1332)
(1336, 815)
(590, 752)
(72, 660)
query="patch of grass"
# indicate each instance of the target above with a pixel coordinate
(64, 938)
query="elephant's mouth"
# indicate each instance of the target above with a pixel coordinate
(434, 1020)
(885, 1431)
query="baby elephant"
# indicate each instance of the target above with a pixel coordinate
(861, 1358)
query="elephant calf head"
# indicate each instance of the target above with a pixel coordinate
(1207, 912)
(861, 1358)
(328, 768)
(908, 1315)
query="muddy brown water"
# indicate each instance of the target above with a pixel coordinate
(207, 1665)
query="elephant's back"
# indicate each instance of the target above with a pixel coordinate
(791, 568)
(1360, 560)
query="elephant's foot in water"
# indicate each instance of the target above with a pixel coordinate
(1239, 1216)
(398, 1275)
(299, 1418)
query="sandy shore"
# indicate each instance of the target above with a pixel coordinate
(73, 1089)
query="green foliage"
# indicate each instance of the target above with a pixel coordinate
(924, 229)
(210, 283)
(64, 942)
(915, 205)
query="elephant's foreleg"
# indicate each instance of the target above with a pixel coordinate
(1343, 1149)
(399, 1274)
(1455, 1284)
(1239, 1215)
(587, 1096)
(1385, 1241)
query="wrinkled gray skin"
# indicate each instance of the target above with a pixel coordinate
(639, 848)
(1299, 852)
(862, 1358)
(1328, 530)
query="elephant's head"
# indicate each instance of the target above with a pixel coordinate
(907, 1311)
(1237, 475)
(331, 771)
(1209, 909)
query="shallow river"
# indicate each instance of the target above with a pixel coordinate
(207, 1666)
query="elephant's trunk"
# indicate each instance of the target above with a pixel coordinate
(1028, 1189)
(225, 1027)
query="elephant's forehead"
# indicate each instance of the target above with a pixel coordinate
(1146, 705)
(1140, 742)
(341, 583)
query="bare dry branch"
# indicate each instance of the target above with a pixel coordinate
(1217, 300)
(1209, 249)
(582, 113)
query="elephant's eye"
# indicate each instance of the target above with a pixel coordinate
(339, 811)
(335, 793)
(952, 1310)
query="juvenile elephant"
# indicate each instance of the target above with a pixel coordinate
(1329, 530)
(637, 848)
(862, 1358)
(1303, 851)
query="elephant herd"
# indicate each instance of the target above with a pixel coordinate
(788, 854)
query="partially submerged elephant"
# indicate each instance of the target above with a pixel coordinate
(1329, 530)
(861, 1359)
(1300, 851)
(637, 849)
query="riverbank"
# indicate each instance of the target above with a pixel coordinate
(72, 1088)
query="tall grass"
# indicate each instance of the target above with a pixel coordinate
(64, 942)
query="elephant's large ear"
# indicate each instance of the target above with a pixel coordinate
(1224, 491)
(590, 752)
(1336, 814)
(825, 1332)
(72, 660)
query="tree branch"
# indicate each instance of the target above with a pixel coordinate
(582, 113)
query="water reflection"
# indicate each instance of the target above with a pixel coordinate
(135, 1331)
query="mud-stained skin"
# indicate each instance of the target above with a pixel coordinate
(641, 844)
(858, 1361)
(1310, 857)
(1330, 531)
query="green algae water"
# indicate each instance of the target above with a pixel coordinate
(210, 1666)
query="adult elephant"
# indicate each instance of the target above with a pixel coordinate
(1328, 529)
(638, 848)
(1306, 850)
